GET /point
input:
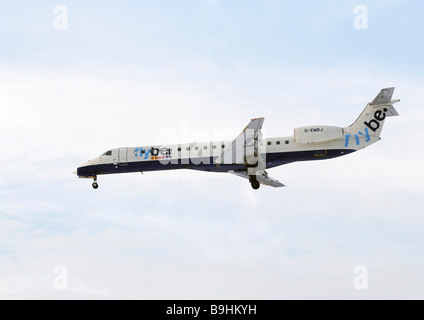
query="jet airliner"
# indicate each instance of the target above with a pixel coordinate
(248, 155)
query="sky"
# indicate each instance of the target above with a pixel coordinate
(78, 78)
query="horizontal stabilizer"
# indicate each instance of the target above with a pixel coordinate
(385, 96)
(391, 111)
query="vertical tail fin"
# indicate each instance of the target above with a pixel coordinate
(375, 113)
(369, 124)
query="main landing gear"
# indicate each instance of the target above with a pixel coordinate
(254, 183)
(95, 184)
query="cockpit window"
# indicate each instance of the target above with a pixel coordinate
(107, 153)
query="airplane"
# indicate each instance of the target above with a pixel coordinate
(249, 156)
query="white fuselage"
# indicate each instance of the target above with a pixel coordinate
(202, 155)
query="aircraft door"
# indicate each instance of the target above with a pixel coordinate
(123, 156)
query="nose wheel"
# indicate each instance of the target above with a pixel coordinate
(95, 185)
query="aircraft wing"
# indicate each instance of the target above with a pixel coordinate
(262, 178)
(244, 148)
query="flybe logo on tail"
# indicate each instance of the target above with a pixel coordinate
(153, 153)
(374, 124)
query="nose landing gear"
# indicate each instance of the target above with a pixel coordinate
(95, 184)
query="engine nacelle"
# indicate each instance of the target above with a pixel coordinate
(315, 134)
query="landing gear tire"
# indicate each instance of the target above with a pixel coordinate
(255, 184)
(95, 185)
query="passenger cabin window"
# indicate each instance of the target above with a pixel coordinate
(269, 143)
(107, 153)
(205, 147)
(213, 147)
(196, 148)
(278, 142)
(287, 141)
(223, 146)
(188, 148)
(179, 149)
